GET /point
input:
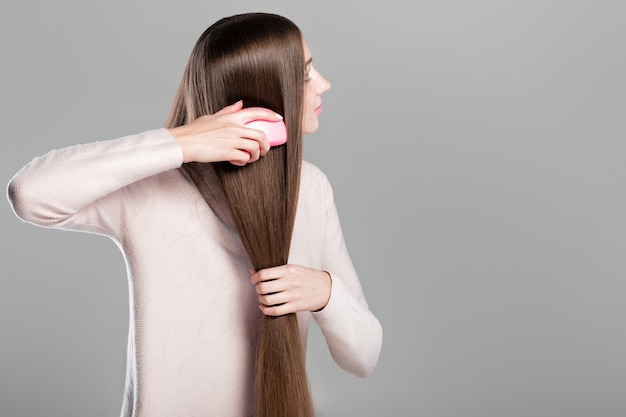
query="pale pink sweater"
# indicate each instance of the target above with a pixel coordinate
(194, 314)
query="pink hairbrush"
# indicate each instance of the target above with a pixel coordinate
(275, 131)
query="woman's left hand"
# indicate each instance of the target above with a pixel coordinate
(291, 288)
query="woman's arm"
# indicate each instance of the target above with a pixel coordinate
(353, 334)
(333, 294)
(55, 188)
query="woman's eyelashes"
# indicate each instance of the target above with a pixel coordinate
(308, 69)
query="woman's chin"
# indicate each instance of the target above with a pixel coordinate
(310, 127)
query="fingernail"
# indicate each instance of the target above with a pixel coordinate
(278, 116)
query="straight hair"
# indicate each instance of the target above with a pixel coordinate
(257, 58)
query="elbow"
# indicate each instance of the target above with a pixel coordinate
(28, 207)
(364, 370)
(15, 196)
(365, 356)
(371, 358)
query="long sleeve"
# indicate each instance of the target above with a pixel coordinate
(194, 322)
(353, 333)
(67, 184)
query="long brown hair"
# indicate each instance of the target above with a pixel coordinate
(257, 58)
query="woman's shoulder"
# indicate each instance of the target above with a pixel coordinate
(312, 175)
(315, 188)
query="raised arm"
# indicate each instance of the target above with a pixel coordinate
(54, 188)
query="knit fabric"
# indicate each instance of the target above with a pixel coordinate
(194, 316)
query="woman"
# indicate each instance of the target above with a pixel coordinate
(220, 233)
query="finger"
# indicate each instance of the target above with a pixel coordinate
(233, 108)
(251, 148)
(257, 113)
(255, 136)
(258, 136)
(279, 310)
(269, 287)
(267, 274)
(238, 157)
(273, 300)
(237, 163)
(241, 151)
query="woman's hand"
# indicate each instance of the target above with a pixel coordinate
(291, 288)
(223, 137)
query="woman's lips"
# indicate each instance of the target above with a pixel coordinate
(318, 109)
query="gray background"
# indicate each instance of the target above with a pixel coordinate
(477, 153)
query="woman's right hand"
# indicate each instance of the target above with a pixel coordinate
(223, 137)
